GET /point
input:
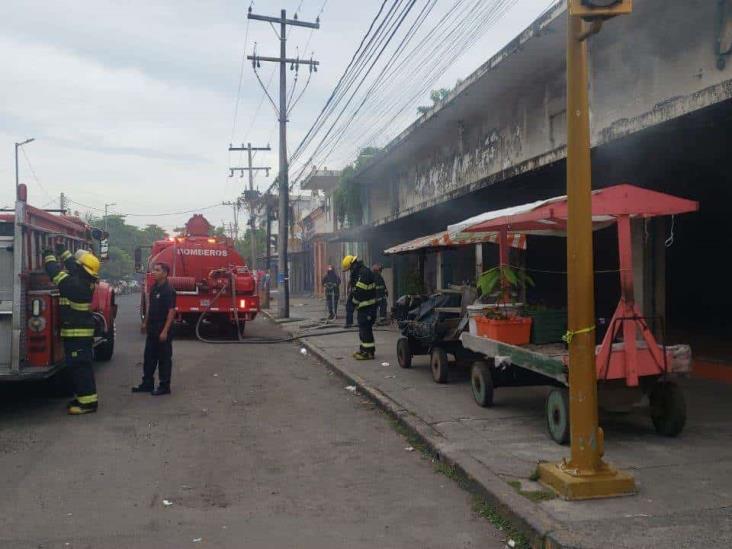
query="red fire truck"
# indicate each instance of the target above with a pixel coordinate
(208, 275)
(30, 341)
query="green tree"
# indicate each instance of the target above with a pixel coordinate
(123, 239)
(347, 196)
(437, 97)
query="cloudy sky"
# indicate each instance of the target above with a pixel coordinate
(133, 102)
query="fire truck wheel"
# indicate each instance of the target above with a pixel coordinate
(104, 351)
(668, 408)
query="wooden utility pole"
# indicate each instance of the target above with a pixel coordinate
(234, 228)
(585, 475)
(251, 195)
(283, 178)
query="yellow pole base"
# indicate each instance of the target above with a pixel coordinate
(571, 484)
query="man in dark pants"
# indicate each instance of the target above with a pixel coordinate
(362, 282)
(381, 293)
(332, 285)
(158, 326)
(350, 307)
(76, 288)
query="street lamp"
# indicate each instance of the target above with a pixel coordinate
(17, 146)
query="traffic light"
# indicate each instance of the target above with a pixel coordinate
(600, 9)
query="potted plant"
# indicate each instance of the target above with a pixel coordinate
(504, 322)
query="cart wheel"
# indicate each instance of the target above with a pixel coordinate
(481, 381)
(404, 353)
(668, 408)
(439, 365)
(557, 415)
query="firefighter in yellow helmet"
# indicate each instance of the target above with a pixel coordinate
(76, 286)
(364, 300)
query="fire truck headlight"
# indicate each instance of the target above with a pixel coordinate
(36, 307)
(242, 303)
(37, 323)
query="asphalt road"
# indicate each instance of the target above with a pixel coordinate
(258, 446)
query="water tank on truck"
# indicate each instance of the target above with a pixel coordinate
(208, 275)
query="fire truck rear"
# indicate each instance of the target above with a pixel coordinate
(30, 341)
(208, 275)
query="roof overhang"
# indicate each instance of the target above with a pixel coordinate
(549, 217)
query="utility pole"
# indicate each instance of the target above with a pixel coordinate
(18, 146)
(235, 204)
(585, 475)
(251, 196)
(283, 275)
(106, 209)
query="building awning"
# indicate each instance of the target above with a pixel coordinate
(549, 217)
(446, 239)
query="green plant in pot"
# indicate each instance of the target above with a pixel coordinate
(503, 284)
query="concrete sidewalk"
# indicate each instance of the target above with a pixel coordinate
(685, 483)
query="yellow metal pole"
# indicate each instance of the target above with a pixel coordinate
(580, 275)
(584, 475)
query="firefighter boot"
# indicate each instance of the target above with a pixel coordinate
(143, 388)
(360, 355)
(161, 390)
(79, 409)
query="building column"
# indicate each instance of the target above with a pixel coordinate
(478, 261)
(440, 274)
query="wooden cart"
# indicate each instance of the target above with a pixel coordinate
(505, 365)
(630, 362)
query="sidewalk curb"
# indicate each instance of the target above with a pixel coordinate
(539, 527)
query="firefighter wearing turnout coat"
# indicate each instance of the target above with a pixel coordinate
(364, 301)
(76, 287)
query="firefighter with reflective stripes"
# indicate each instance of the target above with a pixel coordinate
(76, 286)
(381, 293)
(364, 301)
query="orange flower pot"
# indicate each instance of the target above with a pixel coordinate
(515, 331)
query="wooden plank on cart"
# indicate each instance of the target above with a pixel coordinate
(550, 366)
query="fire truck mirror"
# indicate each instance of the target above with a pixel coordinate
(104, 249)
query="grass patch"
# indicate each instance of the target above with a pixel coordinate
(448, 470)
(488, 512)
(533, 495)
(480, 505)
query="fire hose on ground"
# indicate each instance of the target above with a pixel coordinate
(311, 332)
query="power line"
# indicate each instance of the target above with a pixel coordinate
(196, 210)
(241, 77)
(429, 58)
(382, 45)
(33, 173)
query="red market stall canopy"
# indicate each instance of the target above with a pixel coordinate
(446, 239)
(549, 217)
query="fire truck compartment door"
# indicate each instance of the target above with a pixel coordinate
(6, 299)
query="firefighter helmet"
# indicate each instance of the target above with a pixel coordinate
(90, 263)
(79, 253)
(348, 262)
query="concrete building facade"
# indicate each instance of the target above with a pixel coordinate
(661, 114)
